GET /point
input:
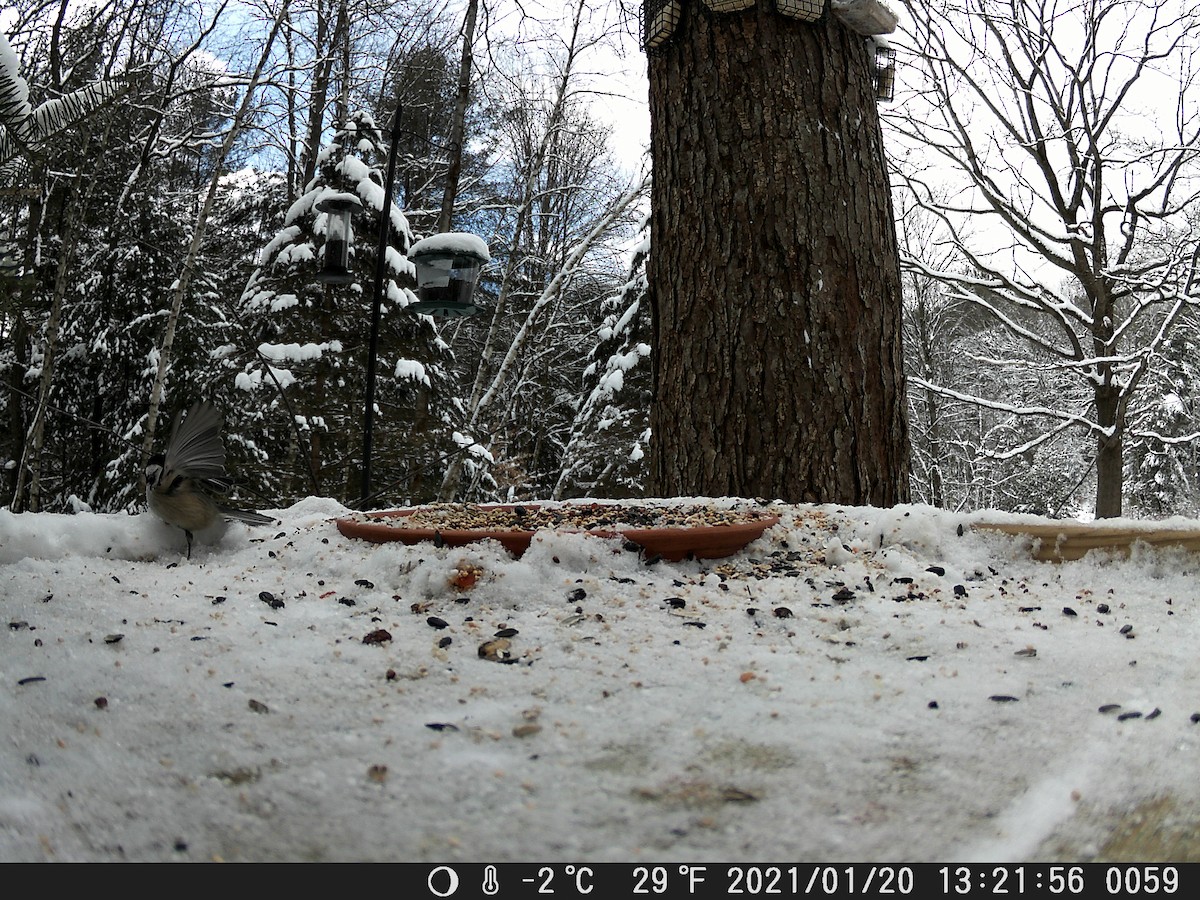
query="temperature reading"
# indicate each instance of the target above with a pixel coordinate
(656, 879)
(650, 880)
(580, 876)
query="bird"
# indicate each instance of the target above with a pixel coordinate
(185, 485)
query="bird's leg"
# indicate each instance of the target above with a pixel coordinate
(189, 543)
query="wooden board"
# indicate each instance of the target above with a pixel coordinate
(1058, 541)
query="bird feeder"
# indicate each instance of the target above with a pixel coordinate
(339, 208)
(867, 17)
(723, 6)
(804, 10)
(885, 73)
(660, 19)
(448, 267)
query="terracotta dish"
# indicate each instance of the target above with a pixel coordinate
(670, 532)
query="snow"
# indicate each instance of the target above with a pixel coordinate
(228, 707)
(17, 98)
(295, 352)
(452, 242)
(411, 370)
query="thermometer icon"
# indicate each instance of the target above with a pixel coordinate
(491, 884)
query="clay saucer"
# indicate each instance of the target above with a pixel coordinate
(670, 541)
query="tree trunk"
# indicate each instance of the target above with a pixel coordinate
(458, 123)
(774, 274)
(1110, 456)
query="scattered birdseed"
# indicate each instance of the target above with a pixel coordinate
(1110, 707)
(1003, 698)
(1103, 609)
(1067, 611)
(782, 612)
(258, 707)
(113, 638)
(378, 636)
(270, 599)
(579, 516)
(497, 650)
(435, 622)
(1129, 715)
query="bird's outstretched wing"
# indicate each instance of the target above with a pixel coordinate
(195, 448)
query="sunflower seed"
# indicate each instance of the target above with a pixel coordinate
(497, 650)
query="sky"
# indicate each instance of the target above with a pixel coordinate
(857, 685)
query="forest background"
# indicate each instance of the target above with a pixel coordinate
(161, 165)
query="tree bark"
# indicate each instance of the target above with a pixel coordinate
(458, 123)
(774, 274)
(1110, 453)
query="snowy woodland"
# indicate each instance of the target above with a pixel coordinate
(161, 165)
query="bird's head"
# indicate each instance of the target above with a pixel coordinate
(154, 469)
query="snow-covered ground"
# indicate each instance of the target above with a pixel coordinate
(859, 684)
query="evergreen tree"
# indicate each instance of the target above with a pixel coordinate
(303, 355)
(1163, 455)
(605, 454)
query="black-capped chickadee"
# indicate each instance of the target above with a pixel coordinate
(183, 485)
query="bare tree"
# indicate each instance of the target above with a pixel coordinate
(553, 226)
(1066, 135)
(187, 270)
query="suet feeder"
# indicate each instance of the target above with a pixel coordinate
(339, 209)
(660, 18)
(804, 10)
(724, 6)
(885, 73)
(448, 267)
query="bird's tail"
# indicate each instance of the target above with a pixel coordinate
(245, 515)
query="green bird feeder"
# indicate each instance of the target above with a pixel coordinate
(448, 267)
